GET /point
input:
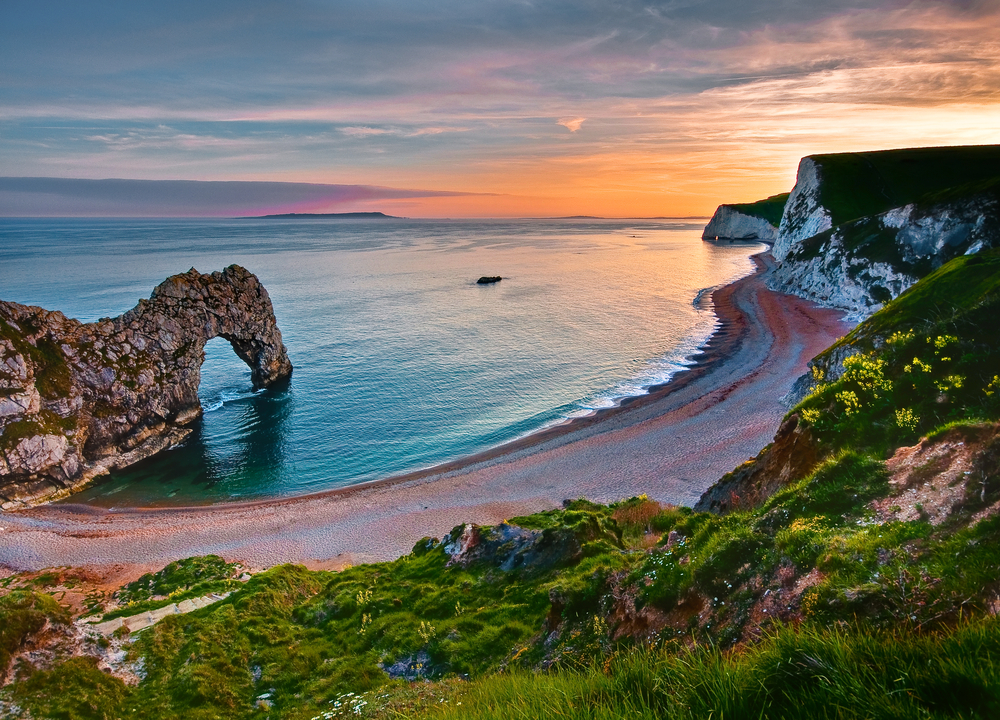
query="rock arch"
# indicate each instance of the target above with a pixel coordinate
(78, 399)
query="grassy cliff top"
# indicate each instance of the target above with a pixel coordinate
(958, 286)
(855, 185)
(769, 208)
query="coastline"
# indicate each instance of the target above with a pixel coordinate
(670, 443)
(717, 346)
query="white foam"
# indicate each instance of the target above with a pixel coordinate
(227, 397)
(657, 372)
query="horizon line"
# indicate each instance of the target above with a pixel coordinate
(331, 216)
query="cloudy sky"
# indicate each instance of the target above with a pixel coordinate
(474, 107)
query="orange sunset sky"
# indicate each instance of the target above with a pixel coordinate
(624, 109)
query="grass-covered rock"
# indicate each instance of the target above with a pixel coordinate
(649, 598)
(188, 578)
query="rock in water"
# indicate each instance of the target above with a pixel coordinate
(79, 399)
(488, 279)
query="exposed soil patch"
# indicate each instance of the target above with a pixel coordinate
(939, 477)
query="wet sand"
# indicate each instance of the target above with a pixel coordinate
(670, 444)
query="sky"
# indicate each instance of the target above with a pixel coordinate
(472, 108)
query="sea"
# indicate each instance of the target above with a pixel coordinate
(402, 361)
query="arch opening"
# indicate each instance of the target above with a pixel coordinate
(225, 375)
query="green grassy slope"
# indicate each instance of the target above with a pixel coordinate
(937, 361)
(841, 674)
(964, 283)
(859, 184)
(826, 606)
(769, 209)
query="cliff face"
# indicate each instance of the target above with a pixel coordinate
(860, 265)
(860, 228)
(747, 221)
(728, 223)
(78, 399)
(804, 214)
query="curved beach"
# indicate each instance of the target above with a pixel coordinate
(670, 444)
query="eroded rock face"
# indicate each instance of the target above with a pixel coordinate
(860, 265)
(851, 239)
(791, 457)
(728, 223)
(804, 214)
(78, 399)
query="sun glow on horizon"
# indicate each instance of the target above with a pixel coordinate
(640, 112)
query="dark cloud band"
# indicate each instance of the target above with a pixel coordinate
(34, 196)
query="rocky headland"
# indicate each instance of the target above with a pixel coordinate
(747, 221)
(79, 399)
(857, 232)
(860, 228)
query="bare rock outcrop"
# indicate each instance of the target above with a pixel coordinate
(78, 399)
(729, 223)
(509, 547)
(791, 457)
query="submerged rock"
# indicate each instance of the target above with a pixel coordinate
(488, 279)
(78, 399)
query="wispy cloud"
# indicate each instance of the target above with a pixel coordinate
(697, 100)
(362, 131)
(572, 123)
(41, 196)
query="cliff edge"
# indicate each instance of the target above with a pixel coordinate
(860, 228)
(747, 221)
(79, 399)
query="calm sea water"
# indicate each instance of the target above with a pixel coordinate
(401, 360)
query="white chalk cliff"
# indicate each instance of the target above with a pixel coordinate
(728, 223)
(804, 214)
(858, 266)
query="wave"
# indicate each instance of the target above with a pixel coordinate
(658, 372)
(217, 401)
(699, 301)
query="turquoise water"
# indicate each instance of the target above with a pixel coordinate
(401, 360)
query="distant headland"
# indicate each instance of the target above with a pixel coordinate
(338, 216)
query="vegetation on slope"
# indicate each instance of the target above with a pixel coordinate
(924, 360)
(856, 185)
(770, 208)
(807, 673)
(962, 285)
(189, 578)
(893, 614)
